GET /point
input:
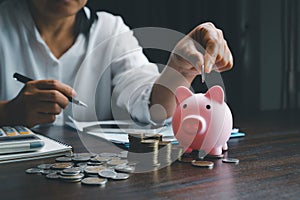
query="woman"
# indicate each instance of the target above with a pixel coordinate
(61, 43)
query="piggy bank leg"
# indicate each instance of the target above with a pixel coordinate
(216, 151)
(225, 147)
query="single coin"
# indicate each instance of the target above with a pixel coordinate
(72, 171)
(52, 176)
(94, 181)
(108, 155)
(117, 162)
(207, 164)
(81, 158)
(101, 159)
(94, 169)
(34, 171)
(63, 159)
(107, 173)
(49, 171)
(124, 168)
(44, 166)
(215, 156)
(62, 165)
(121, 176)
(231, 160)
(84, 155)
(71, 177)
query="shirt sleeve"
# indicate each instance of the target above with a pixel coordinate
(133, 76)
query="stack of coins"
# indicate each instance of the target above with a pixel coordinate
(71, 175)
(164, 155)
(149, 150)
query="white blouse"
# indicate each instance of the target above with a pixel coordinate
(108, 69)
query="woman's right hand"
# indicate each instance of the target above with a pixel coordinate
(38, 102)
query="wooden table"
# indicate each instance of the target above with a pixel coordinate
(269, 168)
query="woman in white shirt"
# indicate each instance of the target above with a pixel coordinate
(65, 46)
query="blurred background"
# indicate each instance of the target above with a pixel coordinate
(263, 37)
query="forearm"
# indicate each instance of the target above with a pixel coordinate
(163, 102)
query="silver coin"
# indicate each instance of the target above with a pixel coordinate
(81, 158)
(215, 156)
(107, 173)
(52, 176)
(72, 170)
(34, 171)
(124, 168)
(49, 171)
(117, 162)
(101, 159)
(62, 165)
(91, 155)
(121, 176)
(94, 181)
(231, 160)
(44, 166)
(108, 155)
(63, 159)
(94, 169)
(71, 177)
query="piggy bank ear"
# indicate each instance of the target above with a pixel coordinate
(182, 93)
(216, 93)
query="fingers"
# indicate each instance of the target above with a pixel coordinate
(53, 96)
(56, 85)
(217, 55)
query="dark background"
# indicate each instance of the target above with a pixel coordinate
(263, 37)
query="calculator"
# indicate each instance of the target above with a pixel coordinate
(14, 139)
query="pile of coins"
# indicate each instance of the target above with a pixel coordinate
(150, 151)
(87, 168)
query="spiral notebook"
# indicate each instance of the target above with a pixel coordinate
(51, 148)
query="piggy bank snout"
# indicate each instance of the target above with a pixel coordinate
(194, 124)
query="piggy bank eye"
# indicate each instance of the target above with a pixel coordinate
(184, 106)
(208, 107)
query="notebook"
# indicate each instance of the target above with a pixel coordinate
(51, 148)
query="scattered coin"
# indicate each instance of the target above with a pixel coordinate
(44, 166)
(231, 160)
(107, 173)
(34, 171)
(71, 177)
(121, 176)
(207, 164)
(52, 176)
(72, 171)
(124, 168)
(215, 156)
(62, 165)
(94, 181)
(108, 154)
(117, 162)
(63, 159)
(94, 170)
(81, 158)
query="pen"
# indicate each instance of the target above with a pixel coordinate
(24, 79)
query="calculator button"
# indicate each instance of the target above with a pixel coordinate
(22, 130)
(10, 131)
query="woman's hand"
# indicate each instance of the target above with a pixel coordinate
(38, 103)
(205, 45)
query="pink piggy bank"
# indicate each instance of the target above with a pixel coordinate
(202, 121)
